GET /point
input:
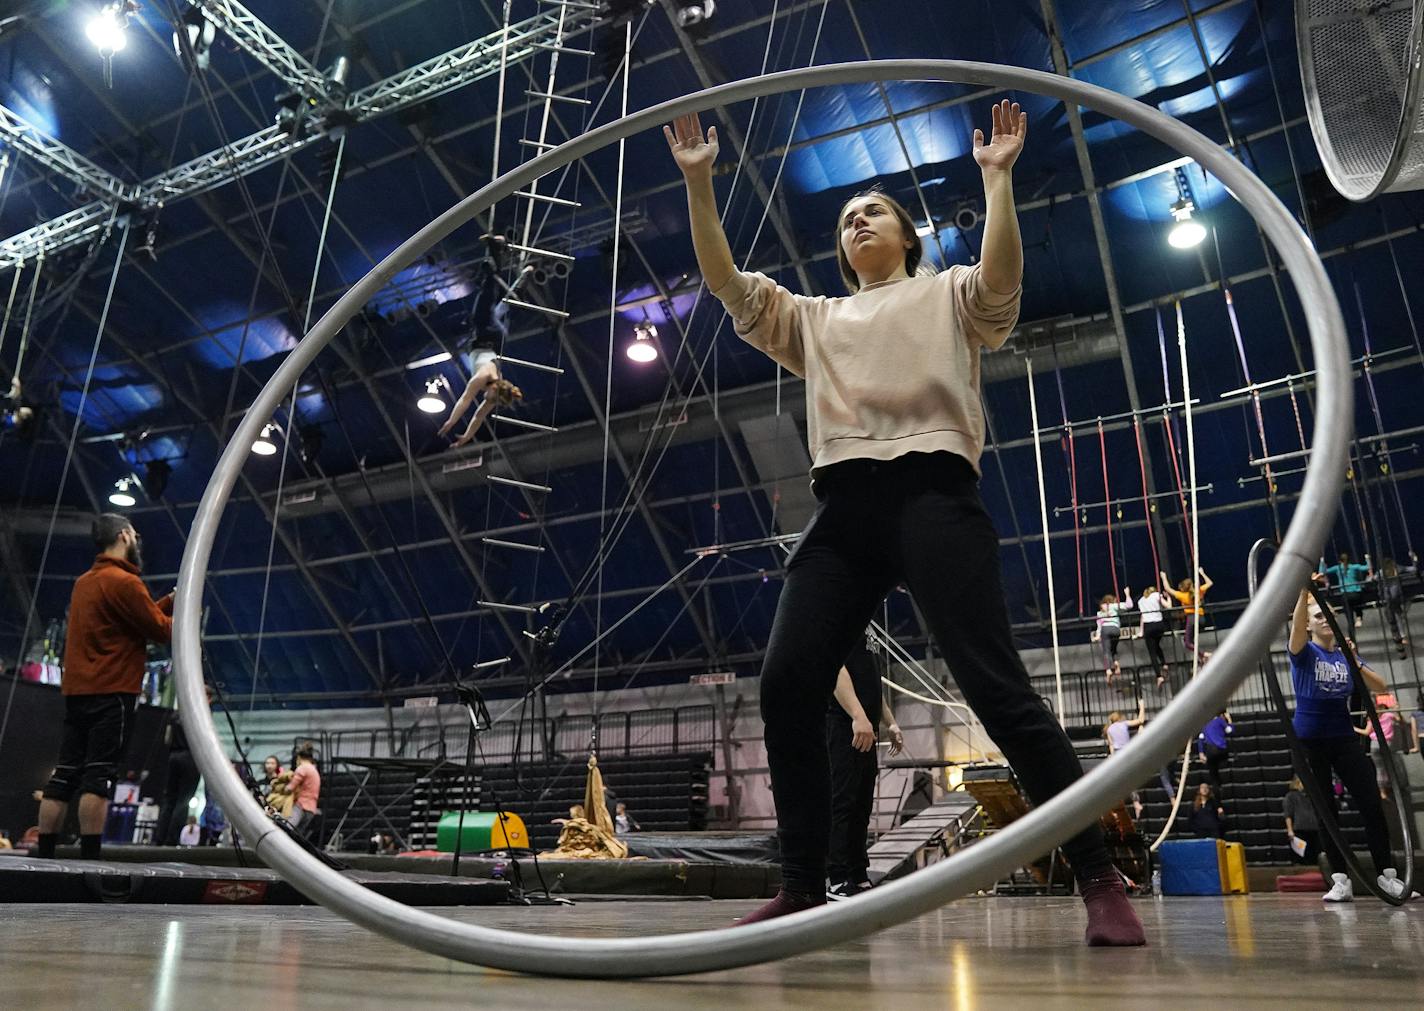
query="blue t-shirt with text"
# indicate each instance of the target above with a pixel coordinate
(1322, 693)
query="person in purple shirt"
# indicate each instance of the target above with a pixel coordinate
(1213, 748)
(1322, 721)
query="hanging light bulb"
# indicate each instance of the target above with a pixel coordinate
(108, 29)
(643, 349)
(263, 444)
(121, 496)
(1186, 233)
(431, 402)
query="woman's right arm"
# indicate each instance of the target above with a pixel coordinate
(764, 313)
(694, 155)
(1300, 623)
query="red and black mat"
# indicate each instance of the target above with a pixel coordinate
(30, 879)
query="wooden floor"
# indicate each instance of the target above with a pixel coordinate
(1268, 950)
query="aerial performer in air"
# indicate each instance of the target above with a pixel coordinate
(896, 430)
(489, 328)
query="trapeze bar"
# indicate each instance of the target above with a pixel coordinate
(537, 143)
(532, 365)
(1141, 412)
(577, 5)
(495, 605)
(1297, 454)
(546, 198)
(439, 358)
(521, 304)
(558, 98)
(1362, 360)
(520, 422)
(526, 485)
(760, 542)
(550, 47)
(1059, 510)
(487, 664)
(536, 548)
(536, 251)
(1030, 836)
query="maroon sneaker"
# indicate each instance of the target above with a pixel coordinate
(1111, 919)
(784, 904)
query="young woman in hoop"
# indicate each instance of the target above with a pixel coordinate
(896, 430)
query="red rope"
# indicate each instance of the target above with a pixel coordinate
(1108, 509)
(1181, 488)
(1073, 494)
(1146, 503)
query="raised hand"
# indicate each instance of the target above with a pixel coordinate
(1006, 140)
(693, 153)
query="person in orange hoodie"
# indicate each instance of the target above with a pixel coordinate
(111, 620)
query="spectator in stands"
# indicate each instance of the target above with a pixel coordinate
(1191, 605)
(1302, 826)
(306, 789)
(1110, 630)
(853, 717)
(1348, 579)
(1416, 726)
(112, 618)
(1208, 817)
(1323, 684)
(212, 823)
(1152, 604)
(190, 834)
(623, 822)
(1213, 747)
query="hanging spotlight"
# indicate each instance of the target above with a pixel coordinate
(431, 402)
(155, 478)
(643, 349)
(200, 32)
(692, 13)
(1186, 233)
(108, 31)
(263, 444)
(120, 496)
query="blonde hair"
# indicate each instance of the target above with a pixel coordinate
(913, 255)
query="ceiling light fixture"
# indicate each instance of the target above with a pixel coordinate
(108, 31)
(1186, 233)
(431, 402)
(121, 496)
(263, 444)
(644, 348)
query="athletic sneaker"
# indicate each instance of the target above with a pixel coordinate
(1389, 883)
(1343, 891)
(842, 890)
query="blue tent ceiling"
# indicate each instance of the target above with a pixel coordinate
(183, 315)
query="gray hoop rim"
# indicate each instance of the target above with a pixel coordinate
(975, 867)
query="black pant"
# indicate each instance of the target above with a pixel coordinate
(1346, 758)
(1215, 759)
(182, 783)
(852, 802)
(1152, 633)
(1311, 838)
(93, 742)
(1108, 638)
(916, 520)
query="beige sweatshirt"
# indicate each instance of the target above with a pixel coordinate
(892, 369)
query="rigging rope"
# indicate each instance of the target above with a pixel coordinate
(30, 309)
(1255, 400)
(1147, 507)
(68, 453)
(1071, 460)
(1047, 549)
(1113, 583)
(1382, 446)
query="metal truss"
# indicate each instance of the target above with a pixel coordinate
(445, 73)
(264, 45)
(62, 160)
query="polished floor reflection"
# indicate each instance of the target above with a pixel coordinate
(1227, 952)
